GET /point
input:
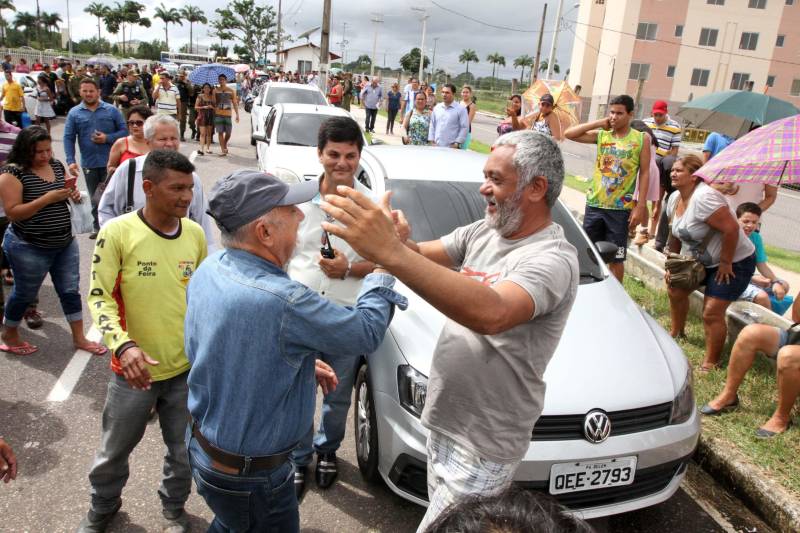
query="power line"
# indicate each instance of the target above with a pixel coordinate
(482, 23)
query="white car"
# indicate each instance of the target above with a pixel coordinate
(28, 83)
(619, 424)
(280, 93)
(288, 147)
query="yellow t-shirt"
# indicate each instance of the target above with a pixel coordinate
(138, 289)
(13, 97)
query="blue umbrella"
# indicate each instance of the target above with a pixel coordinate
(210, 74)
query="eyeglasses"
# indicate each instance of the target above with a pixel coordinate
(137, 123)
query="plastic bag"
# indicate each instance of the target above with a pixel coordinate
(81, 215)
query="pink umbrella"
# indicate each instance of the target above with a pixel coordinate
(769, 155)
(241, 67)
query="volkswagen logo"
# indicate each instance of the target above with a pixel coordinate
(596, 427)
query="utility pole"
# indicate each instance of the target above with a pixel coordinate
(377, 19)
(422, 44)
(433, 61)
(69, 32)
(539, 46)
(551, 62)
(325, 45)
(344, 44)
(278, 46)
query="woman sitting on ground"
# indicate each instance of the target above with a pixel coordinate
(704, 226)
(132, 145)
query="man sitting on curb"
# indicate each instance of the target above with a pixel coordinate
(774, 342)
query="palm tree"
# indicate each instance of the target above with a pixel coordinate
(468, 56)
(543, 66)
(5, 4)
(130, 13)
(193, 14)
(522, 62)
(27, 21)
(495, 59)
(96, 9)
(51, 21)
(38, 25)
(168, 15)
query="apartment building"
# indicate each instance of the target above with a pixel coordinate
(677, 50)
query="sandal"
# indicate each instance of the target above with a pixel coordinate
(25, 348)
(93, 348)
(200, 152)
(642, 238)
(762, 433)
(708, 369)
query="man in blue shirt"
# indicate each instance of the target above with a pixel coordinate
(372, 95)
(96, 125)
(449, 120)
(108, 82)
(251, 385)
(715, 143)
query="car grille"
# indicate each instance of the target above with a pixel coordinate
(647, 481)
(570, 427)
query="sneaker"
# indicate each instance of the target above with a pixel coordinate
(96, 522)
(327, 470)
(93, 235)
(33, 318)
(176, 521)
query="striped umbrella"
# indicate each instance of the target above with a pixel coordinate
(769, 155)
(210, 74)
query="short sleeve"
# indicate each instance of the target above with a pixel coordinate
(707, 203)
(710, 144)
(455, 243)
(672, 201)
(547, 277)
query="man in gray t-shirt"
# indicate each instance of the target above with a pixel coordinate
(506, 284)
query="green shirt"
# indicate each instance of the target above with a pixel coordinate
(615, 170)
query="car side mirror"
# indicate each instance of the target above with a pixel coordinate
(260, 138)
(376, 142)
(607, 250)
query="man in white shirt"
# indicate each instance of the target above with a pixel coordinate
(166, 96)
(339, 280)
(409, 94)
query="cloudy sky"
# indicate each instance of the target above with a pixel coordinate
(400, 31)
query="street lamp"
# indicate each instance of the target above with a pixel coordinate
(377, 18)
(559, 19)
(424, 16)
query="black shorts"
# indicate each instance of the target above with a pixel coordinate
(608, 225)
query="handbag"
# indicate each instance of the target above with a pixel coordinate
(793, 334)
(101, 188)
(685, 271)
(80, 215)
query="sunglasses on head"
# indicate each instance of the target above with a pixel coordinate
(138, 123)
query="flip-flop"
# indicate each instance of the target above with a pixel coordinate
(23, 349)
(99, 349)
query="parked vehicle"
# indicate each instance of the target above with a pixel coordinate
(280, 93)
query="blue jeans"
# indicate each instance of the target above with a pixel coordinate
(335, 406)
(262, 500)
(30, 264)
(94, 177)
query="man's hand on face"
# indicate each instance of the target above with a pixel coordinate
(335, 268)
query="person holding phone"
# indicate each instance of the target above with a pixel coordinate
(39, 240)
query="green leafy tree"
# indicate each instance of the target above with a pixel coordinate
(96, 9)
(468, 56)
(27, 21)
(362, 63)
(92, 46)
(151, 51)
(193, 14)
(522, 62)
(249, 24)
(169, 15)
(130, 14)
(410, 61)
(51, 21)
(495, 59)
(543, 66)
(4, 4)
(220, 49)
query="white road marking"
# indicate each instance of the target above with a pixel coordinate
(709, 508)
(72, 373)
(193, 156)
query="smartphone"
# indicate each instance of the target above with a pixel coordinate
(327, 250)
(69, 183)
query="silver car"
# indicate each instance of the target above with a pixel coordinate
(619, 423)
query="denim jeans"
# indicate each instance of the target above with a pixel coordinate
(30, 264)
(333, 420)
(94, 177)
(125, 416)
(262, 500)
(369, 122)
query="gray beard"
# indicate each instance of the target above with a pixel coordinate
(508, 216)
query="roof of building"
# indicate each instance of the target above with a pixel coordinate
(309, 44)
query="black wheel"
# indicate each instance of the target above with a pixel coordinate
(366, 428)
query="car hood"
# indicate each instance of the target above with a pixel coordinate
(302, 160)
(611, 355)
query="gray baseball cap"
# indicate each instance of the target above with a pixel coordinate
(245, 195)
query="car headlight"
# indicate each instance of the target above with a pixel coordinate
(286, 175)
(683, 405)
(413, 387)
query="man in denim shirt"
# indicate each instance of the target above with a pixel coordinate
(252, 337)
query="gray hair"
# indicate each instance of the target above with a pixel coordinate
(152, 122)
(238, 237)
(536, 154)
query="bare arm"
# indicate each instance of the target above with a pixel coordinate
(722, 220)
(114, 156)
(796, 309)
(586, 133)
(11, 194)
(673, 151)
(770, 195)
(555, 127)
(706, 156)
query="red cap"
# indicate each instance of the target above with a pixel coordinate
(660, 106)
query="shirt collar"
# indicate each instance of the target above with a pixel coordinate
(318, 198)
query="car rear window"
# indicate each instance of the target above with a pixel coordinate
(300, 129)
(436, 208)
(285, 95)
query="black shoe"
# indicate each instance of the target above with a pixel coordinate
(710, 411)
(93, 235)
(300, 486)
(327, 470)
(96, 522)
(762, 433)
(175, 521)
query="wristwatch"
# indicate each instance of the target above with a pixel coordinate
(347, 272)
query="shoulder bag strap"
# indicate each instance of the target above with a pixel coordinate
(131, 178)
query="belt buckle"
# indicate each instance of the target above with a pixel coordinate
(246, 467)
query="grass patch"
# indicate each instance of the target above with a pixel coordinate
(477, 146)
(757, 396)
(783, 258)
(573, 182)
(492, 101)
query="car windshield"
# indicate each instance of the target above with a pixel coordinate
(436, 208)
(300, 129)
(286, 95)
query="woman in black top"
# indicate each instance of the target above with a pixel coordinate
(39, 239)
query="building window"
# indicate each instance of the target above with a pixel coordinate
(716, 2)
(770, 81)
(639, 71)
(700, 77)
(739, 81)
(679, 30)
(795, 90)
(789, 2)
(708, 37)
(779, 41)
(646, 31)
(749, 41)
(757, 4)
(671, 71)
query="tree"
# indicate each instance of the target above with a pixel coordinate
(151, 50)
(5, 4)
(168, 15)
(410, 61)
(27, 21)
(495, 59)
(220, 49)
(522, 62)
(51, 21)
(96, 9)
(129, 13)
(543, 66)
(92, 46)
(193, 14)
(468, 56)
(249, 24)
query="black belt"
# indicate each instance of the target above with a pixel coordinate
(242, 463)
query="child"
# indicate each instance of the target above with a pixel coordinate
(765, 284)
